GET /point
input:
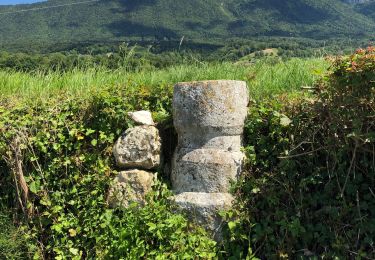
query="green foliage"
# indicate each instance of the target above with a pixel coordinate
(308, 190)
(309, 187)
(145, 20)
(65, 124)
(124, 56)
(265, 78)
(153, 231)
(367, 8)
(12, 243)
(67, 164)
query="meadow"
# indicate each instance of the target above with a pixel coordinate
(265, 78)
(306, 190)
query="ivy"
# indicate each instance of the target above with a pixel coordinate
(308, 191)
(66, 166)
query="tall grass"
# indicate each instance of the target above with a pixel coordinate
(12, 243)
(264, 78)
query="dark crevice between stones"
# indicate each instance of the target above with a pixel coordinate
(169, 142)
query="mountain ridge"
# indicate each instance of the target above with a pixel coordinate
(172, 19)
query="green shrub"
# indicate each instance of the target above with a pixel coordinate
(13, 245)
(309, 189)
(153, 232)
(64, 148)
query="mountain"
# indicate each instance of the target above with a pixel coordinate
(367, 8)
(58, 21)
(356, 1)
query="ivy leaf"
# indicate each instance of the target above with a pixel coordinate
(89, 132)
(232, 225)
(285, 121)
(34, 187)
(255, 190)
(72, 232)
(94, 142)
(152, 226)
(74, 251)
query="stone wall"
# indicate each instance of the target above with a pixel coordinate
(209, 120)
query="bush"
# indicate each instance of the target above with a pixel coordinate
(309, 189)
(64, 150)
(13, 245)
(153, 232)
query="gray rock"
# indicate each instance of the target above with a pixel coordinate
(210, 108)
(204, 208)
(205, 170)
(141, 117)
(209, 119)
(138, 147)
(130, 186)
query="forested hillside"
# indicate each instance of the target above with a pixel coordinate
(115, 20)
(367, 8)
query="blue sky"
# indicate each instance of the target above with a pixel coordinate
(13, 2)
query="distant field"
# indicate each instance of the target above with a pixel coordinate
(264, 78)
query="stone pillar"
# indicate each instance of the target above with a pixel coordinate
(209, 119)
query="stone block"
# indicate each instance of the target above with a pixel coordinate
(130, 186)
(141, 117)
(204, 209)
(139, 148)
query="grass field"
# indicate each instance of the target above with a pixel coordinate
(264, 78)
(299, 160)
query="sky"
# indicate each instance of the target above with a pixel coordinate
(14, 2)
